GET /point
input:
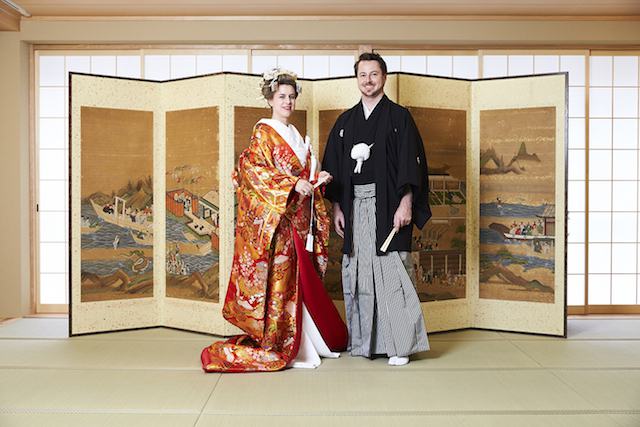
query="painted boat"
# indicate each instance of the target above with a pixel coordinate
(525, 237)
(121, 220)
(198, 225)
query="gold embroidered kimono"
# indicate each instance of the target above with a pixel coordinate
(264, 297)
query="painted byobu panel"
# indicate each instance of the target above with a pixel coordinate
(517, 204)
(439, 249)
(192, 204)
(333, 275)
(117, 204)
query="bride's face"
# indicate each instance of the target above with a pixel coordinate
(283, 102)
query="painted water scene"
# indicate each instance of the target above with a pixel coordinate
(192, 205)
(439, 249)
(117, 204)
(517, 204)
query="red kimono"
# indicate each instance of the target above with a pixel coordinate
(272, 274)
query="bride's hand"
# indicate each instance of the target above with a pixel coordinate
(324, 177)
(304, 187)
(235, 179)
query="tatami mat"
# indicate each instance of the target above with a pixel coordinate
(626, 420)
(519, 336)
(34, 328)
(594, 328)
(206, 420)
(97, 420)
(469, 378)
(105, 390)
(466, 335)
(149, 334)
(394, 391)
(445, 354)
(589, 328)
(605, 389)
(51, 328)
(583, 354)
(449, 420)
(103, 354)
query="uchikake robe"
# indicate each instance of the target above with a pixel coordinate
(272, 274)
(400, 165)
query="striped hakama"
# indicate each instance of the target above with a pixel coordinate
(382, 307)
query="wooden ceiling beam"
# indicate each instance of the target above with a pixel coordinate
(591, 8)
(9, 18)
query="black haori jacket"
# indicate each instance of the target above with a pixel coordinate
(401, 164)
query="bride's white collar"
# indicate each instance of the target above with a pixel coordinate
(291, 135)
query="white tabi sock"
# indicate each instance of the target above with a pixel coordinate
(398, 361)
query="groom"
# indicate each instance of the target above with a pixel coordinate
(380, 187)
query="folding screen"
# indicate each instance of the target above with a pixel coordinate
(152, 204)
(496, 151)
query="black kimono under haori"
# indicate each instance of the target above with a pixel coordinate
(382, 306)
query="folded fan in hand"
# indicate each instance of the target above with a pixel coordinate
(320, 182)
(386, 243)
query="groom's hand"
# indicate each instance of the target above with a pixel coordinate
(402, 217)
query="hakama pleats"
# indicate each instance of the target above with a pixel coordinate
(382, 307)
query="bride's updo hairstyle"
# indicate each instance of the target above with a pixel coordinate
(276, 77)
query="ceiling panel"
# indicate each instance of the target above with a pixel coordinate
(332, 7)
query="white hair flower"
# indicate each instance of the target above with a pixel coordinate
(271, 76)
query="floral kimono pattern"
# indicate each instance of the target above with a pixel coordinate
(264, 298)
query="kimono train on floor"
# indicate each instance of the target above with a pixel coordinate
(272, 277)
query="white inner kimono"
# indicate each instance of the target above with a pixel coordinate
(312, 345)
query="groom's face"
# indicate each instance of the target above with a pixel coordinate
(371, 79)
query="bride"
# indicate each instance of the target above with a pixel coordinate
(275, 292)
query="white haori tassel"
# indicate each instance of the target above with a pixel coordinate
(309, 245)
(360, 153)
(312, 174)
